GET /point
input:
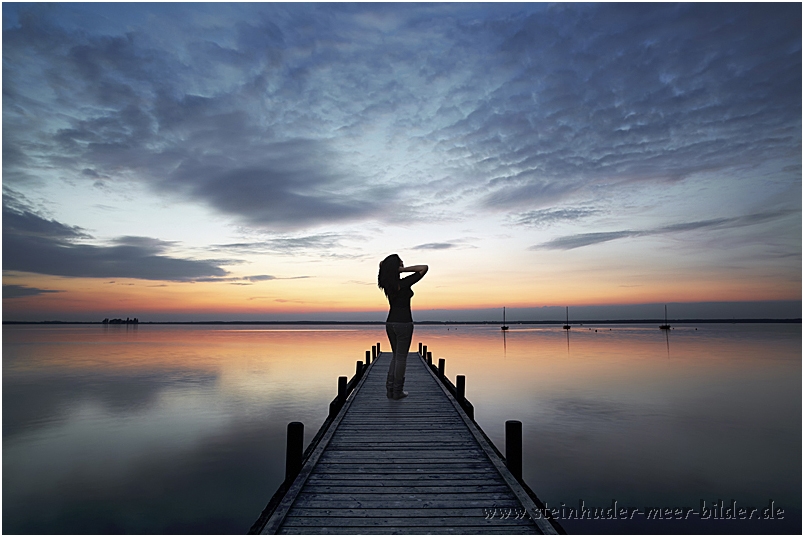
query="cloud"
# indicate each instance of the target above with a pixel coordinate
(18, 291)
(128, 107)
(584, 239)
(145, 244)
(289, 117)
(260, 278)
(571, 242)
(23, 223)
(248, 280)
(34, 244)
(462, 243)
(435, 246)
(321, 245)
(595, 95)
(238, 280)
(547, 217)
(283, 185)
(285, 244)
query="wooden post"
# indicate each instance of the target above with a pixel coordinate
(368, 357)
(420, 348)
(374, 351)
(378, 348)
(424, 350)
(341, 389)
(294, 451)
(460, 386)
(429, 358)
(441, 363)
(358, 369)
(513, 447)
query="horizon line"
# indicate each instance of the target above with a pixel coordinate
(484, 322)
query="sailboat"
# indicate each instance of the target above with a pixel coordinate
(504, 327)
(567, 326)
(665, 326)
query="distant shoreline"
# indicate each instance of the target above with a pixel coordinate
(443, 323)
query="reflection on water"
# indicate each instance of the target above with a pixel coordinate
(177, 429)
(160, 429)
(623, 412)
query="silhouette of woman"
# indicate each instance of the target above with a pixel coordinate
(399, 324)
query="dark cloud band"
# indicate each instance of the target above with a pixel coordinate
(587, 239)
(19, 291)
(34, 244)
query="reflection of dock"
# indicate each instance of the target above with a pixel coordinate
(418, 465)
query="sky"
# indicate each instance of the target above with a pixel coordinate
(257, 161)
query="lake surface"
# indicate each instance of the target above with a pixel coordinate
(181, 428)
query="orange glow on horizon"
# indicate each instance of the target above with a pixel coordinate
(124, 298)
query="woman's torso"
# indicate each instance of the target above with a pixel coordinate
(400, 301)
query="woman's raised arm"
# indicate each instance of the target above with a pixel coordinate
(422, 269)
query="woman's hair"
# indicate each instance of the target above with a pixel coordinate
(388, 278)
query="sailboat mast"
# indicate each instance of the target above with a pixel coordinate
(665, 326)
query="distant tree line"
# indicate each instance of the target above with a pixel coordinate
(121, 321)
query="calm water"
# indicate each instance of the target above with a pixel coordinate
(181, 429)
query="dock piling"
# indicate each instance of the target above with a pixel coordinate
(513, 447)
(429, 358)
(378, 348)
(374, 352)
(441, 362)
(469, 409)
(342, 389)
(358, 369)
(460, 385)
(420, 348)
(368, 357)
(294, 450)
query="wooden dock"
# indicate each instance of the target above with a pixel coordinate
(420, 465)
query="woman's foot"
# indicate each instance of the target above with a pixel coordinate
(398, 396)
(389, 394)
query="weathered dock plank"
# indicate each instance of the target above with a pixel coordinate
(423, 530)
(415, 466)
(441, 501)
(376, 522)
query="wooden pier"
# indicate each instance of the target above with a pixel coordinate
(420, 465)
